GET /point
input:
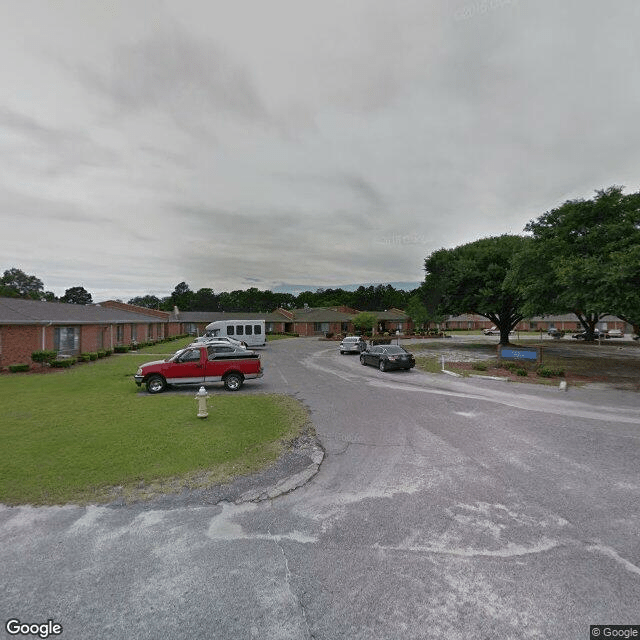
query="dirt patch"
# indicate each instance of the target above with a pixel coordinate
(572, 379)
(615, 365)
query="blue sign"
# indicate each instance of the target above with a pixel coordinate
(519, 353)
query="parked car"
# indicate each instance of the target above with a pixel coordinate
(352, 344)
(494, 331)
(615, 333)
(388, 356)
(597, 335)
(211, 339)
(555, 333)
(201, 365)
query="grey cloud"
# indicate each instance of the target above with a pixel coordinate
(177, 73)
(53, 149)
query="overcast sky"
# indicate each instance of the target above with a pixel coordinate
(255, 143)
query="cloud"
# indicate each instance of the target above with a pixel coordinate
(44, 148)
(189, 79)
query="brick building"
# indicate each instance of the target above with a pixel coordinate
(31, 325)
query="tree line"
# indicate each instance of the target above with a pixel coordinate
(582, 257)
(17, 284)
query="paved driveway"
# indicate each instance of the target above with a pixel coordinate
(444, 509)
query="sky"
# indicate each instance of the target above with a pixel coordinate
(260, 143)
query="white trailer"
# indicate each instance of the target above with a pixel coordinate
(251, 332)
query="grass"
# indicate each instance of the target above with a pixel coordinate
(89, 435)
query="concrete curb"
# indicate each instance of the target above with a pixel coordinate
(286, 485)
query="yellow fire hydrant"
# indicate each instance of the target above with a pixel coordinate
(201, 397)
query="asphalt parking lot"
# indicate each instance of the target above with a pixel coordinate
(455, 508)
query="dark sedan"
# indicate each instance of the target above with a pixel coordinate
(388, 356)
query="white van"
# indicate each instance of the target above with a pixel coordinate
(251, 332)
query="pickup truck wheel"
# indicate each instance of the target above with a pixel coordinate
(233, 382)
(156, 384)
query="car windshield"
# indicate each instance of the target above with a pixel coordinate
(394, 350)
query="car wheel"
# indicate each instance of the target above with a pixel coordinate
(233, 382)
(362, 360)
(342, 353)
(382, 365)
(156, 384)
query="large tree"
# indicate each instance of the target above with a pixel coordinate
(15, 283)
(474, 278)
(580, 256)
(76, 295)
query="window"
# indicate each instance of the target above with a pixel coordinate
(239, 330)
(248, 329)
(119, 333)
(66, 339)
(322, 327)
(218, 350)
(230, 331)
(190, 355)
(134, 333)
(257, 329)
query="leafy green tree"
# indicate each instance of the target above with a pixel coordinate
(474, 278)
(148, 302)
(15, 283)
(205, 300)
(364, 321)
(583, 259)
(76, 295)
(417, 311)
(182, 297)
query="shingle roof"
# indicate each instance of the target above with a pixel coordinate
(20, 311)
(212, 316)
(319, 314)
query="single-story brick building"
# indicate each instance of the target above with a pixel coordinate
(70, 329)
(563, 322)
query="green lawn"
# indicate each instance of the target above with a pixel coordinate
(88, 434)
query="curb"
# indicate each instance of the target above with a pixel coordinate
(287, 484)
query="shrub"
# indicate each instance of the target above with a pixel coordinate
(549, 372)
(521, 372)
(44, 357)
(101, 353)
(479, 366)
(93, 355)
(84, 357)
(121, 348)
(15, 368)
(63, 364)
(107, 352)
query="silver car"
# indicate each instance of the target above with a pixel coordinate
(215, 339)
(352, 344)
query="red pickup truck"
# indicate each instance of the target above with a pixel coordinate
(201, 365)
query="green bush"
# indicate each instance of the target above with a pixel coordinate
(522, 372)
(63, 364)
(44, 357)
(84, 357)
(101, 353)
(93, 355)
(121, 348)
(107, 352)
(479, 366)
(15, 368)
(549, 372)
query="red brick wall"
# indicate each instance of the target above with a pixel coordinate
(17, 343)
